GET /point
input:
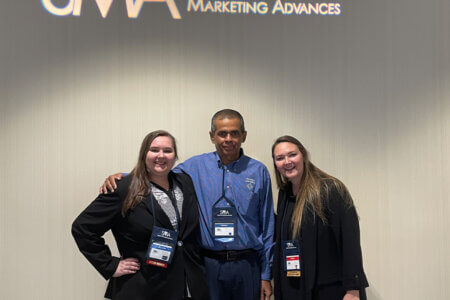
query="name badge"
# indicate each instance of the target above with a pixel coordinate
(161, 248)
(224, 224)
(291, 258)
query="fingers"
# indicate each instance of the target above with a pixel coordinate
(117, 176)
(351, 295)
(266, 290)
(103, 189)
(127, 266)
(107, 186)
(110, 183)
(131, 265)
(263, 294)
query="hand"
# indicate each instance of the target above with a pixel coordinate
(266, 289)
(127, 266)
(110, 183)
(351, 295)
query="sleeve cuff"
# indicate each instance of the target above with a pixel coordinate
(111, 268)
(355, 281)
(267, 275)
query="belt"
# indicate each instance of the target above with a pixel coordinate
(228, 255)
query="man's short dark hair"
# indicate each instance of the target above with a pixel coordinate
(227, 114)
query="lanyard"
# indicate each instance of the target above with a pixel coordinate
(282, 221)
(224, 219)
(223, 196)
(163, 243)
(290, 250)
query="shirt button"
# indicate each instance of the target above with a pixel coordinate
(180, 243)
(228, 186)
(228, 171)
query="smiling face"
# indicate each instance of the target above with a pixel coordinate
(160, 157)
(289, 161)
(228, 138)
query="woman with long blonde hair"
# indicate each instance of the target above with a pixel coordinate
(317, 251)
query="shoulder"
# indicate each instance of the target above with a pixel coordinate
(123, 185)
(282, 196)
(336, 195)
(253, 163)
(196, 161)
(184, 182)
(201, 157)
(253, 170)
(181, 177)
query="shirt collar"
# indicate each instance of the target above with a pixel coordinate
(233, 164)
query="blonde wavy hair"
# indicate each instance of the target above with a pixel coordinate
(315, 186)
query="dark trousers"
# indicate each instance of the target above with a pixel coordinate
(234, 280)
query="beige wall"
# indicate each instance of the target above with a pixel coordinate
(367, 92)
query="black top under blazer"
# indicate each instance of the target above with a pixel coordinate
(331, 253)
(132, 234)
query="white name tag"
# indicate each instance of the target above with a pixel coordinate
(224, 229)
(292, 262)
(160, 251)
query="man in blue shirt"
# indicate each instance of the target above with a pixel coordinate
(236, 212)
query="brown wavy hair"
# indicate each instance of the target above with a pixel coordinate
(315, 186)
(140, 184)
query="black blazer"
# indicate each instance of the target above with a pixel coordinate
(331, 253)
(132, 234)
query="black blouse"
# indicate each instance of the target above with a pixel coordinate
(290, 286)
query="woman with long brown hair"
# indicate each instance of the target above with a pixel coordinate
(317, 251)
(153, 215)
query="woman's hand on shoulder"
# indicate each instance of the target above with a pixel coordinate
(127, 266)
(351, 295)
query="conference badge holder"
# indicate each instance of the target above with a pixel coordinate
(291, 258)
(224, 224)
(161, 248)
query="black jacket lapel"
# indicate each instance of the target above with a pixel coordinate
(309, 235)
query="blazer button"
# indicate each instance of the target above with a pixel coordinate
(356, 276)
(180, 243)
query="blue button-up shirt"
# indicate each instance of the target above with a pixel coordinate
(246, 183)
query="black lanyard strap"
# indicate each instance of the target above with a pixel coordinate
(223, 196)
(283, 234)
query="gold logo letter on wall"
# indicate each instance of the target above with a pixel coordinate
(104, 6)
(134, 7)
(73, 7)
